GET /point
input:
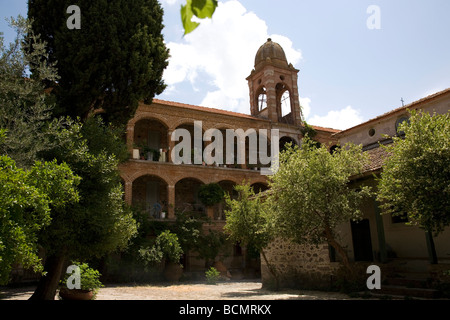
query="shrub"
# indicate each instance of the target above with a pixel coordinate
(212, 275)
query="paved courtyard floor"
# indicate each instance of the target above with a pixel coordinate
(236, 290)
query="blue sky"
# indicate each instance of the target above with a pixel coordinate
(348, 72)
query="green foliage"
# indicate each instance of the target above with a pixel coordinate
(100, 222)
(415, 177)
(212, 275)
(211, 244)
(308, 130)
(25, 109)
(246, 220)
(166, 247)
(311, 194)
(210, 194)
(89, 278)
(202, 9)
(114, 61)
(26, 200)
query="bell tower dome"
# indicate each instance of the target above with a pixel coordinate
(273, 86)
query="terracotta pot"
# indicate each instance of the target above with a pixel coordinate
(173, 271)
(76, 294)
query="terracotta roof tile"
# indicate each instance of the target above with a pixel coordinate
(225, 112)
(377, 157)
(200, 108)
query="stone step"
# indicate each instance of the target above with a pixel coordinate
(408, 282)
(408, 292)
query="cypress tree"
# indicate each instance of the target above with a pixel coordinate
(114, 60)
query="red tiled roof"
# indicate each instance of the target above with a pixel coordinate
(200, 108)
(226, 112)
(377, 157)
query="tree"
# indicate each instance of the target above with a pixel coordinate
(25, 109)
(115, 60)
(310, 193)
(416, 176)
(246, 223)
(100, 222)
(26, 200)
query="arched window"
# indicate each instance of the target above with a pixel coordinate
(285, 103)
(262, 99)
(398, 122)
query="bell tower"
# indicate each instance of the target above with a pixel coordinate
(273, 86)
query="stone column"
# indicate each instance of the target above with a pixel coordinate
(171, 145)
(130, 138)
(129, 192)
(171, 201)
(380, 232)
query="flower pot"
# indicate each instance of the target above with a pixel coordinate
(136, 154)
(76, 294)
(173, 271)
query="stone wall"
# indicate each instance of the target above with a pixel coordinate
(299, 266)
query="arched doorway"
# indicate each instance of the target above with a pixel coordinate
(150, 195)
(186, 195)
(151, 137)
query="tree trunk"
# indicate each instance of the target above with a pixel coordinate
(430, 247)
(46, 289)
(332, 242)
(271, 270)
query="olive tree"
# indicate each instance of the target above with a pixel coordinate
(416, 176)
(310, 193)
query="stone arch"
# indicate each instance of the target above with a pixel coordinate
(150, 135)
(284, 140)
(150, 194)
(151, 116)
(186, 195)
(284, 103)
(259, 186)
(261, 98)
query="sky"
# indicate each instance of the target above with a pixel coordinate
(355, 62)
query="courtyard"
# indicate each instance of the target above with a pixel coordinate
(235, 290)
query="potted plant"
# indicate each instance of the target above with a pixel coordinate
(210, 194)
(165, 250)
(89, 284)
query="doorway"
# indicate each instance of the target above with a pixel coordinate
(362, 243)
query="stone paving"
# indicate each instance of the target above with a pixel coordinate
(236, 290)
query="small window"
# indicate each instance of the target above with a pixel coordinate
(398, 122)
(372, 132)
(262, 99)
(285, 103)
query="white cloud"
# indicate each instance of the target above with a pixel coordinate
(170, 2)
(305, 104)
(222, 51)
(337, 119)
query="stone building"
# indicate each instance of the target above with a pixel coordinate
(153, 181)
(378, 239)
(151, 178)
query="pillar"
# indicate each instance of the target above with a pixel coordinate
(128, 192)
(380, 232)
(171, 201)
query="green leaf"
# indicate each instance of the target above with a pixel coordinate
(186, 18)
(203, 8)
